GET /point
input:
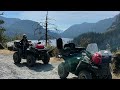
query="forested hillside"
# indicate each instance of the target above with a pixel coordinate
(111, 37)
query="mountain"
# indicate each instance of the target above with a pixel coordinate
(113, 34)
(58, 31)
(110, 37)
(8, 21)
(78, 29)
(14, 25)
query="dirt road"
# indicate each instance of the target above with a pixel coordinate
(8, 70)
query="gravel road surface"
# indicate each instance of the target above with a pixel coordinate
(8, 70)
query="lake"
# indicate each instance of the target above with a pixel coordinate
(52, 42)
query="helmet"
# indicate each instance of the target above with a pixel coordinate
(24, 36)
(97, 58)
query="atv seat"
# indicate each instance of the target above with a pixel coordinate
(39, 46)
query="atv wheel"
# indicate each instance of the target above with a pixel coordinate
(31, 60)
(62, 71)
(46, 58)
(84, 75)
(16, 58)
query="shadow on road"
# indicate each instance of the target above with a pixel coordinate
(38, 67)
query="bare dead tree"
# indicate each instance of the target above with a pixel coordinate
(38, 30)
(46, 29)
(45, 24)
(47, 39)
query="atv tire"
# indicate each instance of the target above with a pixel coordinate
(62, 71)
(46, 58)
(16, 58)
(84, 75)
(31, 60)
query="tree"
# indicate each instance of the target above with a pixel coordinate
(17, 36)
(45, 24)
(2, 30)
(2, 36)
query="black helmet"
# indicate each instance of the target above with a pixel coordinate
(24, 36)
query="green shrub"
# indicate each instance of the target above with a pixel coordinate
(53, 51)
(116, 62)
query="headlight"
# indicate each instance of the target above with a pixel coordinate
(60, 56)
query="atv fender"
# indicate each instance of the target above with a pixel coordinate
(82, 66)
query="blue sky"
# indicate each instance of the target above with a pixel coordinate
(63, 19)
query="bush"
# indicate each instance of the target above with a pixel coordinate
(53, 51)
(116, 63)
(3, 38)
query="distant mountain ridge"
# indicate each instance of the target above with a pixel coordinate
(78, 29)
(14, 25)
(110, 37)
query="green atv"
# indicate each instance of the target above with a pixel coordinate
(77, 61)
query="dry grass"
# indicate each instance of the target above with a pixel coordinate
(6, 52)
(54, 59)
(115, 76)
(118, 52)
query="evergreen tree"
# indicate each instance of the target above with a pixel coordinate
(2, 30)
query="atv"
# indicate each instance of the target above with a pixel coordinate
(31, 54)
(76, 62)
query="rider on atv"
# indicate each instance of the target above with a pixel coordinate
(24, 44)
